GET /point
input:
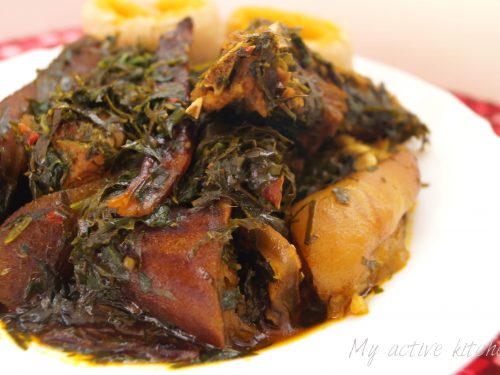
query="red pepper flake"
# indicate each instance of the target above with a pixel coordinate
(173, 100)
(33, 137)
(249, 49)
(273, 192)
(55, 217)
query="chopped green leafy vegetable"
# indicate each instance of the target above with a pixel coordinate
(237, 164)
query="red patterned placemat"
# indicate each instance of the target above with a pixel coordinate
(488, 110)
(486, 364)
(11, 48)
(489, 362)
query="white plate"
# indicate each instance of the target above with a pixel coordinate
(447, 295)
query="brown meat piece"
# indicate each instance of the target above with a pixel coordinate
(334, 101)
(89, 157)
(175, 161)
(176, 45)
(285, 263)
(77, 143)
(78, 58)
(242, 89)
(269, 71)
(259, 71)
(49, 227)
(180, 275)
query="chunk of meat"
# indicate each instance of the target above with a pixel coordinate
(174, 47)
(285, 263)
(338, 229)
(180, 275)
(37, 238)
(156, 179)
(13, 162)
(77, 58)
(91, 123)
(268, 70)
(334, 108)
(260, 72)
(242, 88)
(87, 150)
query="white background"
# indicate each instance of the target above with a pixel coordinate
(452, 43)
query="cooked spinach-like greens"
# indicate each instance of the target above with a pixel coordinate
(163, 196)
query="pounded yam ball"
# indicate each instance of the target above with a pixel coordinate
(320, 35)
(144, 21)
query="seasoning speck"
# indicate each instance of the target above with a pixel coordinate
(145, 283)
(341, 195)
(165, 293)
(129, 263)
(377, 289)
(5, 271)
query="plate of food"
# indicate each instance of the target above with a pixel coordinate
(181, 192)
